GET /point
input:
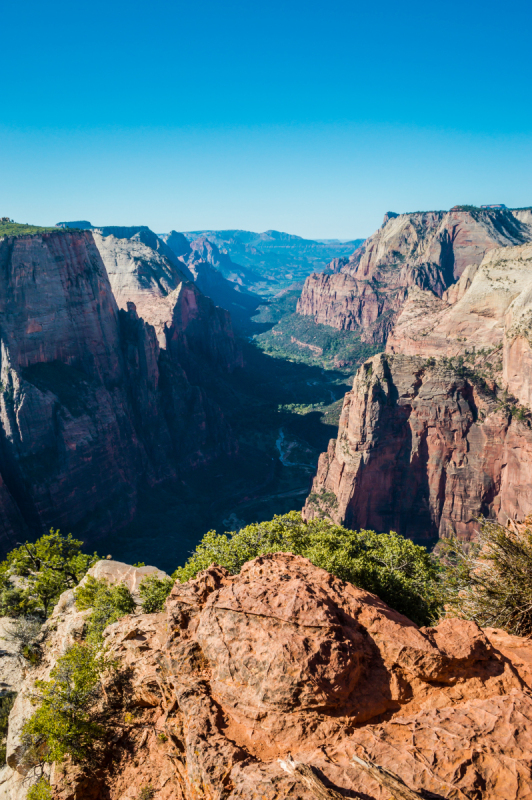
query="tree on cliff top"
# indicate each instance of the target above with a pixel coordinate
(35, 574)
(398, 571)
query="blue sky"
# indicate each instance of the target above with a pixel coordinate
(309, 117)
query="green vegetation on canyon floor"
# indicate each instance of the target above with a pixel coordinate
(299, 338)
(283, 414)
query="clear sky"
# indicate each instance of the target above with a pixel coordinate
(304, 116)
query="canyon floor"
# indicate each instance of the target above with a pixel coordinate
(283, 413)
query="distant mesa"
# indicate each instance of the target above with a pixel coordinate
(83, 224)
(493, 206)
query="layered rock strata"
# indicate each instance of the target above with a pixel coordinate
(240, 671)
(489, 309)
(423, 449)
(90, 405)
(427, 250)
(476, 312)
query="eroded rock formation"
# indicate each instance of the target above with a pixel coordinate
(423, 449)
(240, 671)
(183, 317)
(479, 311)
(427, 250)
(215, 274)
(440, 433)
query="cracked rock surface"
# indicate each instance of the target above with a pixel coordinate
(240, 671)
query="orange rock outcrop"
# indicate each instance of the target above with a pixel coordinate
(241, 670)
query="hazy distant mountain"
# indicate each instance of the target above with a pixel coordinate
(215, 274)
(277, 259)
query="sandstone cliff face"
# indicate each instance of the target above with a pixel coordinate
(68, 446)
(240, 671)
(476, 312)
(423, 451)
(89, 409)
(164, 298)
(143, 235)
(425, 250)
(489, 308)
(524, 215)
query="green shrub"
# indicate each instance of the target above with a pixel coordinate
(108, 604)
(64, 721)
(153, 592)
(398, 571)
(63, 724)
(20, 229)
(48, 567)
(490, 580)
(40, 791)
(23, 632)
(6, 704)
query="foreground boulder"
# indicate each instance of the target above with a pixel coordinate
(241, 671)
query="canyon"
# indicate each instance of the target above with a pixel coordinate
(271, 261)
(122, 373)
(137, 375)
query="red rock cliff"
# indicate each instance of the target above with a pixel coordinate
(427, 250)
(423, 451)
(87, 409)
(164, 298)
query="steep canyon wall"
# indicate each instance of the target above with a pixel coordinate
(91, 405)
(428, 250)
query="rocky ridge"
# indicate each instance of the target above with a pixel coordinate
(478, 311)
(185, 320)
(269, 261)
(427, 250)
(215, 274)
(241, 671)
